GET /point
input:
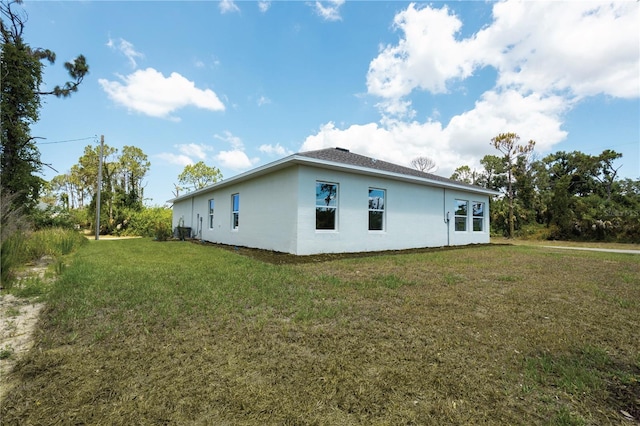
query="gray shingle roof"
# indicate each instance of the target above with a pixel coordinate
(339, 156)
(344, 156)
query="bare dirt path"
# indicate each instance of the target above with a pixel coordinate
(18, 318)
(608, 250)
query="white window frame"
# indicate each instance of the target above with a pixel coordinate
(235, 213)
(325, 206)
(377, 209)
(459, 216)
(476, 217)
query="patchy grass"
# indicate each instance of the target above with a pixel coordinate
(6, 352)
(138, 332)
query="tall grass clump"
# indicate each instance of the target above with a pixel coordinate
(25, 247)
(53, 242)
(14, 224)
(12, 254)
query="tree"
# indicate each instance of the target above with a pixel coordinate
(21, 74)
(61, 184)
(121, 189)
(465, 174)
(570, 194)
(424, 164)
(134, 165)
(199, 175)
(605, 172)
(507, 144)
(88, 167)
(493, 176)
(560, 210)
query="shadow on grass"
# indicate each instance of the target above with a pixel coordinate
(590, 375)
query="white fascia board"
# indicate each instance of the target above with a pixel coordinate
(396, 176)
(253, 173)
(301, 159)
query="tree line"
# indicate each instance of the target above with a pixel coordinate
(122, 186)
(73, 194)
(564, 195)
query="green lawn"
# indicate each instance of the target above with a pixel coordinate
(141, 332)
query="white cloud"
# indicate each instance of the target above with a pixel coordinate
(464, 140)
(586, 48)
(264, 5)
(531, 117)
(234, 141)
(329, 10)
(228, 6)
(192, 150)
(235, 159)
(548, 56)
(177, 159)
(151, 93)
(275, 150)
(189, 153)
(428, 56)
(398, 142)
(263, 100)
(127, 49)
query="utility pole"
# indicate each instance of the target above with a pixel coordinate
(99, 188)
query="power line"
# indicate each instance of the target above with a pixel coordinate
(68, 140)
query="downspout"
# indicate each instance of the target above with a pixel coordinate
(191, 221)
(446, 215)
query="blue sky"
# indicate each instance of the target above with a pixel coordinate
(241, 84)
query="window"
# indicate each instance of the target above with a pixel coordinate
(462, 207)
(478, 216)
(326, 205)
(211, 214)
(376, 209)
(235, 211)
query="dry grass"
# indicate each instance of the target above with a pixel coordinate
(179, 333)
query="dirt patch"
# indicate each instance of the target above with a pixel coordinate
(280, 258)
(18, 318)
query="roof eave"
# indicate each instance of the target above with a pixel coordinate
(258, 171)
(301, 159)
(396, 176)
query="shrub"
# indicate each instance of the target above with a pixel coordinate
(162, 231)
(52, 217)
(147, 222)
(535, 231)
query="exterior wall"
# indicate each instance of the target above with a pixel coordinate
(469, 236)
(278, 212)
(415, 215)
(182, 210)
(266, 217)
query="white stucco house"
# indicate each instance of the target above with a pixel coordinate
(333, 201)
